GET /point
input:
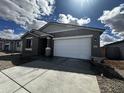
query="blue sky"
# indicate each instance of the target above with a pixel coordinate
(92, 9)
(78, 9)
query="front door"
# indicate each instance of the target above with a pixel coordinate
(42, 46)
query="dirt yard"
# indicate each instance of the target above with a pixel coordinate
(114, 63)
(8, 60)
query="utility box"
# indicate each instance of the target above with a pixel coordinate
(48, 51)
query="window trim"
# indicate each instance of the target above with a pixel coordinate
(29, 38)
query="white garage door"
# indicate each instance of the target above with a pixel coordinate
(73, 47)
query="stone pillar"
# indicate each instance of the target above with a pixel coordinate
(48, 49)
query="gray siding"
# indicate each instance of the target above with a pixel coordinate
(34, 50)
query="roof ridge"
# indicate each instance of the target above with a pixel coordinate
(76, 25)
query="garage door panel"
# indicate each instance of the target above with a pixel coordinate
(74, 48)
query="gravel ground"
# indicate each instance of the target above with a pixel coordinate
(110, 85)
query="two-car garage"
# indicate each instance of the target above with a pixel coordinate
(73, 47)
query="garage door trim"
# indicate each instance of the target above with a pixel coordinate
(73, 37)
(73, 54)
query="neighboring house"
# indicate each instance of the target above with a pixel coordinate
(63, 40)
(10, 45)
(1, 44)
(114, 50)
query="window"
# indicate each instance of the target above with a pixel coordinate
(28, 43)
(17, 44)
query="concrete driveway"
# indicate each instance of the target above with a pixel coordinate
(58, 75)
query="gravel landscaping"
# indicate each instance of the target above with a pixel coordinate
(110, 85)
(108, 81)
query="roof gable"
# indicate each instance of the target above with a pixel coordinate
(60, 27)
(36, 33)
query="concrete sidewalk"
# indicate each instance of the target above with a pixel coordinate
(27, 79)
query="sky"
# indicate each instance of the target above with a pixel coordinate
(19, 16)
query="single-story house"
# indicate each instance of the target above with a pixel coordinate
(10, 45)
(114, 50)
(63, 40)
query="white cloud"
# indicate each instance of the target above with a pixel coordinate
(69, 19)
(114, 19)
(106, 38)
(9, 34)
(26, 12)
(36, 24)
